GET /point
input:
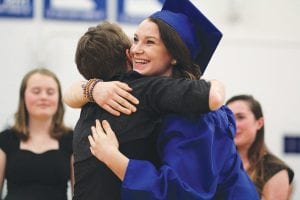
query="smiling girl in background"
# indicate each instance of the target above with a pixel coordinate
(36, 152)
(271, 176)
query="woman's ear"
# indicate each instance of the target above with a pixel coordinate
(173, 62)
(260, 123)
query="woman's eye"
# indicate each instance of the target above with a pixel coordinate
(36, 91)
(240, 117)
(150, 42)
(50, 92)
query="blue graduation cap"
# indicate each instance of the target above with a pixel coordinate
(198, 33)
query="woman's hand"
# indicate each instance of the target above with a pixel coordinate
(103, 141)
(105, 147)
(115, 97)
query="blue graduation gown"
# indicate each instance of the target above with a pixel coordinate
(199, 161)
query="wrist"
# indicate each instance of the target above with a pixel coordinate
(118, 163)
(88, 88)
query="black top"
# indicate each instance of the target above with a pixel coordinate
(157, 96)
(273, 165)
(32, 176)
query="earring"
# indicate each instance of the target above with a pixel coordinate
(173, 62)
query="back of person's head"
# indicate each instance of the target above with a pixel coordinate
(101, 52)
(22, 115)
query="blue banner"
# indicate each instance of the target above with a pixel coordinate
(16, 8)
(82, 10)
(134, 11)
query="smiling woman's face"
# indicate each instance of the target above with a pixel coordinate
(150, 56)
(246, 123)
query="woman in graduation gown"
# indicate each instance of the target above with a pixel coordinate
(199, 158)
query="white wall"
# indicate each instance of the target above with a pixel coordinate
(259, 55)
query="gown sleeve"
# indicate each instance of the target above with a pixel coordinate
(200, 161)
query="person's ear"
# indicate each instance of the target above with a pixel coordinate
(128, 58)
(260, 123)
(173, 62)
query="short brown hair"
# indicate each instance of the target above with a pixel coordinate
(101, 52)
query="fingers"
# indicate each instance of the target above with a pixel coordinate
(91, 138)
(123, 86)
(124, 101)
(97, 133)
(122, 105)
(99, 128)
(92, 151)
(107, 128)
(115, 98)
(111, 110)
(110, 133)
(102, 140)
(123, 92)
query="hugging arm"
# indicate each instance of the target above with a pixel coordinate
(115, 96)
(112, 96)
(167, 95)
(216, 94)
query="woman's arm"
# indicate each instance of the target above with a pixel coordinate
(73, 96)
(113, 96)
(277, 187)
(2, 169)
(216, 95)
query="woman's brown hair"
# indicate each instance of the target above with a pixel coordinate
(185, 66)
(22, 117)
(258, 149)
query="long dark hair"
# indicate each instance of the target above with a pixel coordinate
(185, 67)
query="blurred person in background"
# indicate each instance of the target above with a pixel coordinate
(36, 152)
(271, 176)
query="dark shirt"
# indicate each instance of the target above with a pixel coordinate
(273, 165)
(137, 133)
(157, 96)
(36, 176)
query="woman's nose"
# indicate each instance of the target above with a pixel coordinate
(44, 95)
(136, 48)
